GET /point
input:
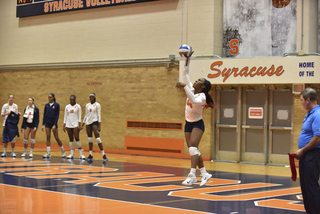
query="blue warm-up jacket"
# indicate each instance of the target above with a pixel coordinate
(51, 114)
(11, 129)
(35, 121)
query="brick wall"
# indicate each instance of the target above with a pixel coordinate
(130, 93)
(299, 113)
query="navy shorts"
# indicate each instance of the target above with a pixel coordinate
(30, 125)
(50, 125)
(189, 126)
(94, 124)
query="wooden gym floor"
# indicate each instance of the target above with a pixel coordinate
(139, 184)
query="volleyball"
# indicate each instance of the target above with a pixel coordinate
(185, 50)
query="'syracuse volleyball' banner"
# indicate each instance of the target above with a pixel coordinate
(271, 70)
(27, 8)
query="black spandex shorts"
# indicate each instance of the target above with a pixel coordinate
(30, 125)
(189, 126)
(94, 124)
(50, 125)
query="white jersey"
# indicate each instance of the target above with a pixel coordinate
(195, 102)
(29, 113)
(93, 113)
(72, 115)
(8, 108)
(194, 106)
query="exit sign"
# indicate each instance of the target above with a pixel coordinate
(297, 88)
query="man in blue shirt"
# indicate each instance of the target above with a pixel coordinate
(309, 151)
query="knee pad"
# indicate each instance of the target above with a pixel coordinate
(193, 151)
(71, 145)
(33, 141)
(14, 140)
(90, 139)
(25, 141)
(99, 140)
(78, 144)
(199, 154)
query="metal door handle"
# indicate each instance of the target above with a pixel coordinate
(252, 127)
(280, 128)
(226, 126)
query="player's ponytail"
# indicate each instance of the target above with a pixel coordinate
(209, 100)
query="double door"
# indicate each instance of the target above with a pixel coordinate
(254, 124)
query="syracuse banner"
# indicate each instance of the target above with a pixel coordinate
(270, 70)
(27, 8)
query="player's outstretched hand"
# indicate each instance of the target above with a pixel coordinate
(180, 85)
(190, 54)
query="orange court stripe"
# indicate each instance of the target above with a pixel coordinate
(280, 204)
(203, 193)
(131, 184)
(8, 160)
(32, 201)
(24, 163)
(49, 170)
(99, 177)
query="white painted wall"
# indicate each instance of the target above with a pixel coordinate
(143, 30)
(307, 31)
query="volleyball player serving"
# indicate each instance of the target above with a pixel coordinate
(92, 119)
(72, 123)
(197, 100)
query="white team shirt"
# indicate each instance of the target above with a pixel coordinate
(195, 102)
(29, 112)
(93, 113)
(194, 106)
(72, 115)
(5, 109)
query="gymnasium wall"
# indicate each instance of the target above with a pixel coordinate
(131, 93)
(299, 114)
(134, 31)
(141, 30)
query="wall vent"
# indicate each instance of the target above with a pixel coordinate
(154, 125)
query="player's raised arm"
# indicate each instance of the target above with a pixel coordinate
(193, 99)
(186, 79)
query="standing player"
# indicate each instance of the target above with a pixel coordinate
(92, 119)
(198, 99)
(5, 111)
(50, 122)
(30, 125)
(72, 123)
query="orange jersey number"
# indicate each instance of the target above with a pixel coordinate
(189, 103)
